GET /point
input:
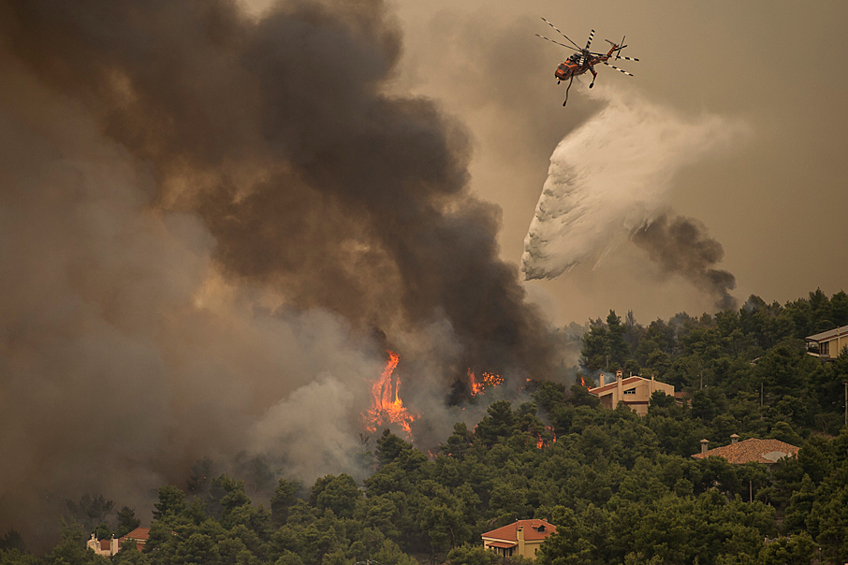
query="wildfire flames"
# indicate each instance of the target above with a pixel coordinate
(487, 380)
(540, 441)
(386, 405)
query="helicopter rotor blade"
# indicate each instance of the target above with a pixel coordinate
(557, 42)
(591, 36)
(621, 57)
(559, 32)
(620, 47)
(619, 70)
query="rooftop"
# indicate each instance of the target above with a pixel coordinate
(141, 534)
(613, 385)
(752, 450)
(533, 530)
(842, 330)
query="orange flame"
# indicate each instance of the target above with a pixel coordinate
(387, 406)
(583, 382)
(540, 442)
(489, 380)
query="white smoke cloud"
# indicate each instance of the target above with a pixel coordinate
(310, 430)
(612, 176)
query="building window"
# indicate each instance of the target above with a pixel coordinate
(824, 348)
(630, 391)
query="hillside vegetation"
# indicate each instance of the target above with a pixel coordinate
(620, 488)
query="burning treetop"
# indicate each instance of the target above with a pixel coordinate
(386, 405)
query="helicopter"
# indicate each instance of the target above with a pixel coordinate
(584, 60)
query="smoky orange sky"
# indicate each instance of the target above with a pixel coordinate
(775, 201)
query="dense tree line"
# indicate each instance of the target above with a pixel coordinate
(620, 488)
(748, 368)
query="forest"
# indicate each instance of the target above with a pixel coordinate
(620, 488)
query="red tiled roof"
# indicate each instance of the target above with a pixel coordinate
(509, 533)
(756, 450)
(140, 534)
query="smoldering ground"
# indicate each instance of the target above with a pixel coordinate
(204, 217)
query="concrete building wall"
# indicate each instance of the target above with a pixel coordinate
(634, 392)
(524, 538)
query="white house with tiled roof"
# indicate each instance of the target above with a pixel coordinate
(828, 345)
(522, 537)
(634, 392)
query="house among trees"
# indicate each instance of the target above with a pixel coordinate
(634, 392)
(110, 547)
(766, 451)
(522, 537)
(827, 345)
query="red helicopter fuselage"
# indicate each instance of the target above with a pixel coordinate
(571, 68)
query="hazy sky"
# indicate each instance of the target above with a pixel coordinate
(775, 201)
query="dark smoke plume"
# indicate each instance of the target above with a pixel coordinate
(276, 131)
(162, 155)
(681, 246)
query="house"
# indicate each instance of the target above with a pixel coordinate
(138, 535)
(109, 547)
(827, 345)
(104, 547)
(766, 451)
(522, 537)
(634, 392)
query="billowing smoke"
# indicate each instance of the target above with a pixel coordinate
(612, 177)
(682, 246)
(205, 219)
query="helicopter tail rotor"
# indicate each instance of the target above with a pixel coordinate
(618, 47)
